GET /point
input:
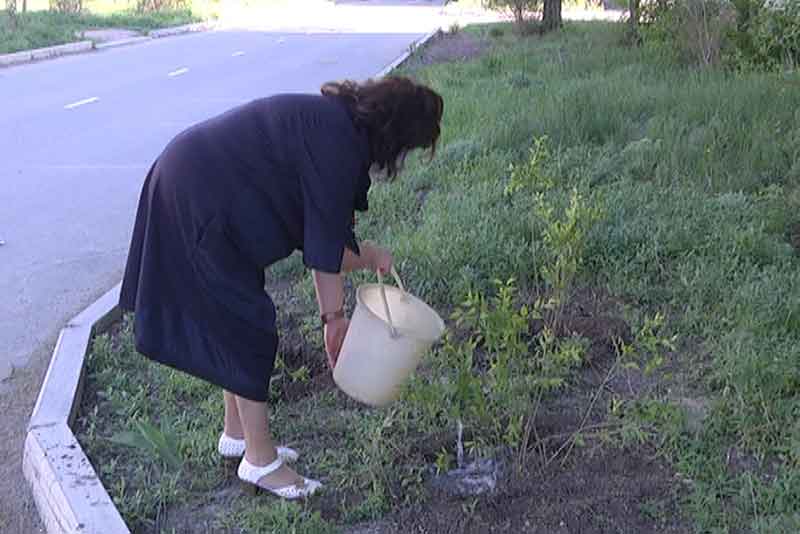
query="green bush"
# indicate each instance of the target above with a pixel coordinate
(518, 8)
(157, 6)
(767, 34)
(694, 31)
(739, 33)
(11, 11)
(776, 34)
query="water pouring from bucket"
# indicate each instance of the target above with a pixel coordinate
(389, 332)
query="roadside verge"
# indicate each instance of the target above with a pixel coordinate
(27, 56)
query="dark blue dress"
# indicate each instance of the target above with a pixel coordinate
(225, 199)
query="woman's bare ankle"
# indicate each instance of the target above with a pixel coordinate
(235, 433)
(232, 423)
(261, 458)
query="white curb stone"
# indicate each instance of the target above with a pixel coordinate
(122, 42)
(70, 497)
(59, 396)
(404, 57)
(178, 30)
(45, 53)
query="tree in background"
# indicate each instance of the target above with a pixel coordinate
(551, 18)
(11, 9)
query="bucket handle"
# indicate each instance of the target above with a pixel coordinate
(392, 329)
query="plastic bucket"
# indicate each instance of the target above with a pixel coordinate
(389, 332)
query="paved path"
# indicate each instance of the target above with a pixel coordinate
(77, 135)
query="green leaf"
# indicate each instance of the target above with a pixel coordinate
(131, 439)
(164, 446)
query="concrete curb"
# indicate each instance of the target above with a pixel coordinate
(69, 495)
(158, 34)
(122, 42)
(26, 56)
(179, 30)
(416, 45)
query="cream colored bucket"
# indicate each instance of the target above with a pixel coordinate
(389, 332)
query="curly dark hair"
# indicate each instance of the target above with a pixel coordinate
(397, 113)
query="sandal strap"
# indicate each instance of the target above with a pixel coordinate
(293, 491)
(254, 473)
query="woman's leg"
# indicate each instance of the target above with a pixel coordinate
(260, 450)
(233, 424)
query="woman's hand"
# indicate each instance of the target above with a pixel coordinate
(334, 337)
(380, 259)
(372, 257)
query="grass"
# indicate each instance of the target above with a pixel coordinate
(42, 28)
(565, 162)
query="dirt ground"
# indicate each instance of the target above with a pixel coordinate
(18, 394)
(449, 47)
(597, 487)
(598, 492)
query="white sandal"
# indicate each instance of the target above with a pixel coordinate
(251, 474)
(231, 448)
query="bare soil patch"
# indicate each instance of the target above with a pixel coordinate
(597, 487)
(449, 47)
(598, 491)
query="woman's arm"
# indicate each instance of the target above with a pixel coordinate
(330, 298)
(330, 293)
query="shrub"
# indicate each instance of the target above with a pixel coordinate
(693, 30)
(519, 9)
(152, 6)
(11, 10)
(776, 34)
(67, 6)
(741, 33)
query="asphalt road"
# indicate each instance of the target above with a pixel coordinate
(78, 134)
